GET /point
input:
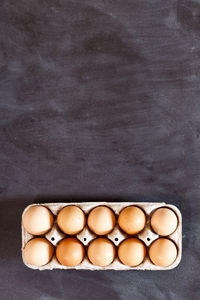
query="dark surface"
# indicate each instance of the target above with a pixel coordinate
(99, 100)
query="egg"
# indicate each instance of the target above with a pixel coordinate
(162, 252)
(38, 252)
(70, 252)
(101, 220)
(132, 219)
(164, 221)
(131, 252)
(101, 252)
(71, 219)
(37, 220)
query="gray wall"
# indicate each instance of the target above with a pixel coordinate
(99, 100)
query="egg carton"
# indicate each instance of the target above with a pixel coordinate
(116, 236)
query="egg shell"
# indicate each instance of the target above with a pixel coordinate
(164, 221)
(70, 252)
(132, 252)
(101, 220)
(163, 252)
(71, 219)
(38, 252)
(101, 252)
(132, 219)
(37, 220)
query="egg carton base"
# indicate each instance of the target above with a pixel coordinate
(116, 236)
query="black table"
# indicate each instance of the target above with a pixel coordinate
(99, 101)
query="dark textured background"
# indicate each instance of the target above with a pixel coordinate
(99, 100)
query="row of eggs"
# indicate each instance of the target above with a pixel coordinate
(71, 220)
(70, 252)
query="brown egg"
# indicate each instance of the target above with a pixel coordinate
(101, 252)
(38, 252)
(132, 219)
(163, 252)
(164, 221)
(131, 252)
(37, 220)
(71, 219)
(101, 220)
(70, 252)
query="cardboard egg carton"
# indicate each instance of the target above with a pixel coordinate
(116, 236)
